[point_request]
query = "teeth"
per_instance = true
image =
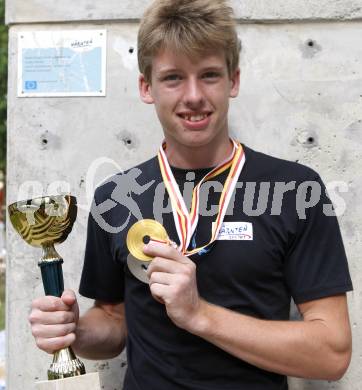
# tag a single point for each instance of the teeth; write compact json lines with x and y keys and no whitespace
{"x":195,"y":118}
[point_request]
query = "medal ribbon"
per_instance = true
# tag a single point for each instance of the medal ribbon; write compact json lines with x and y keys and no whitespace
{"x":185,"y":221}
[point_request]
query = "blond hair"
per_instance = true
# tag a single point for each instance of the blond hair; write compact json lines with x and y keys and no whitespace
{"x":192,"y":27}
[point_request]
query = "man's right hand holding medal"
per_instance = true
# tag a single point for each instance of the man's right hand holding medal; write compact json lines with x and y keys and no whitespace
{"x":173,"y":282}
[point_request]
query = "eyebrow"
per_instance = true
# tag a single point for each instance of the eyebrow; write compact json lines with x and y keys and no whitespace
{"x":213,"y":67}
{"x":165,"y":71}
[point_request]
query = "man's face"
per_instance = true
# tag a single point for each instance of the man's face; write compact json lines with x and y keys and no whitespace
{"x":191,"y":97}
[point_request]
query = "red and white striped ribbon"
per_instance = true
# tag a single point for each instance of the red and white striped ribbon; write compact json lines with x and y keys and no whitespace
{"x":185,"y":221}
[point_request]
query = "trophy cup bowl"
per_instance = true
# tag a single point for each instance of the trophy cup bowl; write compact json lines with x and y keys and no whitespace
{"x":43,"y":222}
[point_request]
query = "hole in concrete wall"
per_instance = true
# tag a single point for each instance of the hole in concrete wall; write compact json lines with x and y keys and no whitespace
{"x":131,"y":50}
{"x":44,"y":140}
{"x":47,"y":139}
{"x":307,"y":138}
{"x":311,"y":140}
{"x":128,"y":139}
{"x":310,"y":48}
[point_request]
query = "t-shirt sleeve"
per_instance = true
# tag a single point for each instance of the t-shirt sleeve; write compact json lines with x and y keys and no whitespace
{"x":102,"y":276}
{"x":316,"y":265}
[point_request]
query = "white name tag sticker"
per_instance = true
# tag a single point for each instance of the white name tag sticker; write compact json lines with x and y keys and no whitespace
{"x":240,"y":231}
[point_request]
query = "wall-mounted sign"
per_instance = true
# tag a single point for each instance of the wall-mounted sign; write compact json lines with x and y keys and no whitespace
{"x":62,"y":63}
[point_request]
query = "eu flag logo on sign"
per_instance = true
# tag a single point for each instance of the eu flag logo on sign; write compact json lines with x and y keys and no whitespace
{"x":30,"y":85}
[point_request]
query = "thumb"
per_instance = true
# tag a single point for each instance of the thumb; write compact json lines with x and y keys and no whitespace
{"x":68,"y":297}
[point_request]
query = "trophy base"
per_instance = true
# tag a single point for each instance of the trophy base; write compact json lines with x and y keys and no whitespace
{"x":81,"y":382}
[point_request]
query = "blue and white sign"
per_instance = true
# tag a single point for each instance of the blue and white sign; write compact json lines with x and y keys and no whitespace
{"x":62,"y":63}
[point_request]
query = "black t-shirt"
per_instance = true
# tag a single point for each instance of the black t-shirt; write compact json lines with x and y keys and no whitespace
{"x":262,"y":259}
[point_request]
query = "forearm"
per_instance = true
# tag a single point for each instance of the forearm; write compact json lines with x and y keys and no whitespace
{"x":100,"y":335}
{"x":295,"y":348}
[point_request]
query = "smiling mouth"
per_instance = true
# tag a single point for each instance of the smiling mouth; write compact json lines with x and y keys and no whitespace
{"x":194,"y":117}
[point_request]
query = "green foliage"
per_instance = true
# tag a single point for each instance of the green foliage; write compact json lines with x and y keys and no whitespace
{"x":3,"y":84}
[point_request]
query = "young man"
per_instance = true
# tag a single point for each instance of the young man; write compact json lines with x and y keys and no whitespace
{"x":215,"y":314}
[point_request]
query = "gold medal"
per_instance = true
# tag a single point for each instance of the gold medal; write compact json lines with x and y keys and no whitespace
{"x":142,"y":232}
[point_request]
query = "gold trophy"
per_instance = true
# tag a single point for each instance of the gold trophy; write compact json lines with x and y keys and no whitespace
{"x":43,"y":222}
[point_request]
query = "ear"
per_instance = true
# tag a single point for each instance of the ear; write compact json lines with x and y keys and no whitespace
{"x":145,"y":90}
{"x":235,"y":83}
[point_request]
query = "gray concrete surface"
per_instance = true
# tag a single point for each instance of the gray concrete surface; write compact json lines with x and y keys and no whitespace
{"x":2,"y":346}
{"x":35,"y":11}
{"x":291,"y":91}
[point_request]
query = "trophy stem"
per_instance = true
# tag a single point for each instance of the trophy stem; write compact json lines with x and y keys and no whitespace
{"x":65,"y":364}
{"x":51,"y":271}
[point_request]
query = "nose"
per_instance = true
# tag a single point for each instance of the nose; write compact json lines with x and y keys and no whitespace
{"x":193,"y":94}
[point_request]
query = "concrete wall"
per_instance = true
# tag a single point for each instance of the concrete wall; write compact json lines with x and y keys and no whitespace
{"x":35,"y":11}
{"x":297,"y":101}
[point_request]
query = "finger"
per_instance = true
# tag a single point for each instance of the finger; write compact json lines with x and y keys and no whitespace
{"x":56,"y":343}
{"x":50,"y":331}
{"x":51,"y":318}
{"x":155,"y":249}
{"x":159,"y":264}
{"x":161,"y":278}
{"x":50,"y":304}
{"x":159,"y":292}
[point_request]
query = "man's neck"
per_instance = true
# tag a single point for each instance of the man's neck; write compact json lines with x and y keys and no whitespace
{"x":206,"y":156}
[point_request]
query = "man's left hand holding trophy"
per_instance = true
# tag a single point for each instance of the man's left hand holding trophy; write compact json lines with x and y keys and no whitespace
{"x":43,"y":222}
